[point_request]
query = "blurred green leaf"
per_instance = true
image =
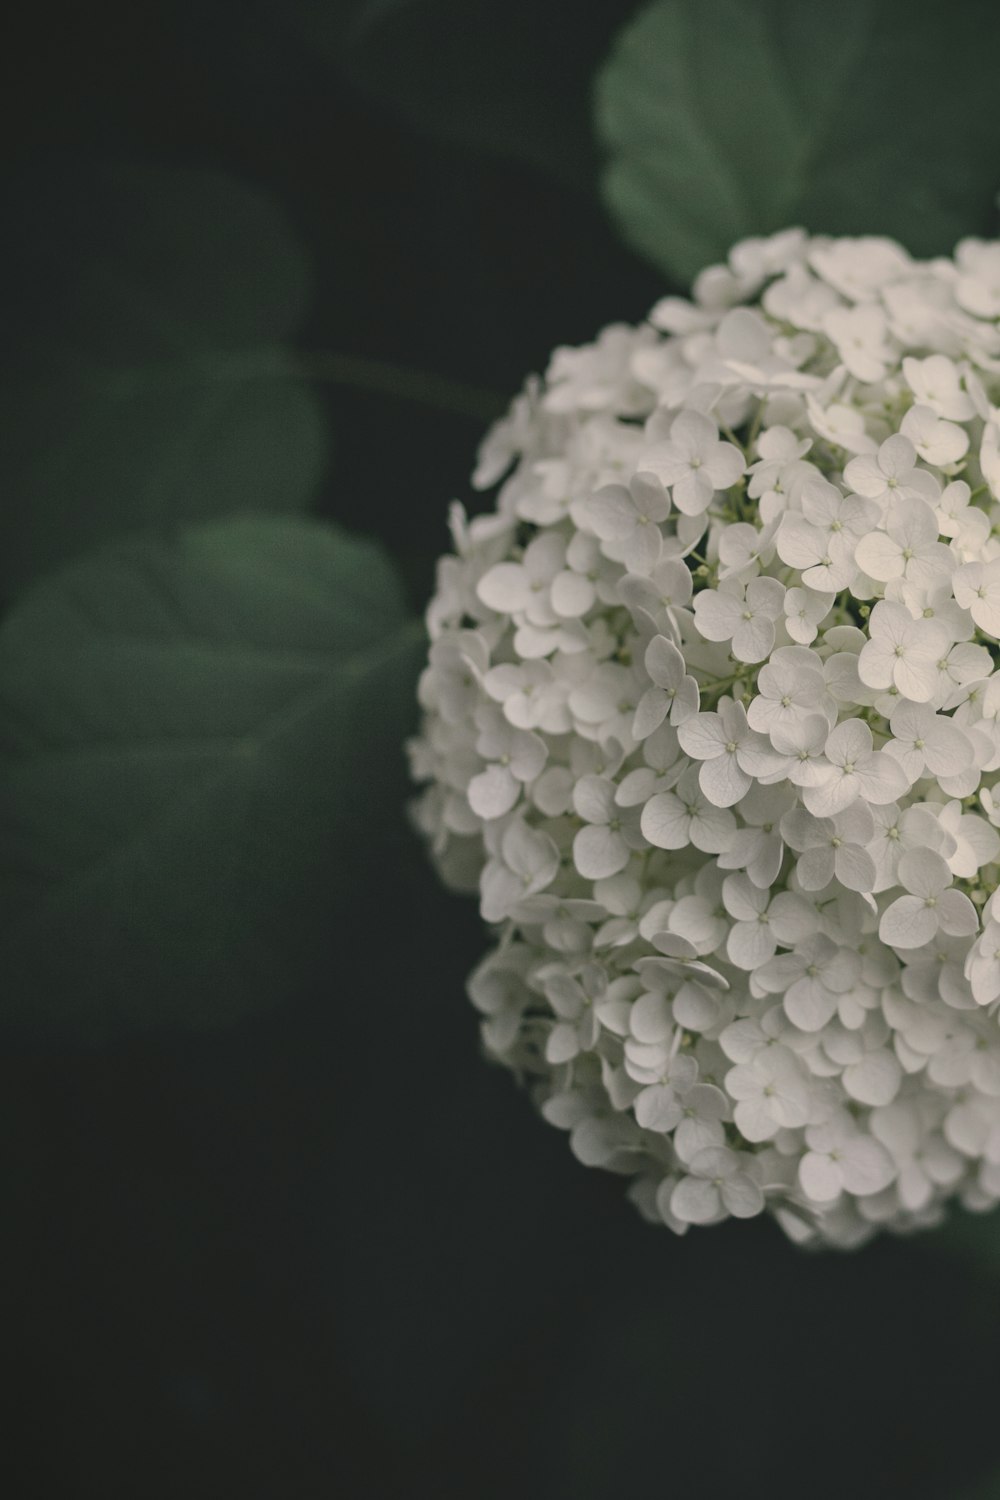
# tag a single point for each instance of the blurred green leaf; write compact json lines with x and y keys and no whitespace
{"x":199,"y":757}
{"x":726,"y":118}
{"x":988,"y":1488}
{"x":147,"y":380}
{"x":493,"y":77}
{"x":972,"y":1238}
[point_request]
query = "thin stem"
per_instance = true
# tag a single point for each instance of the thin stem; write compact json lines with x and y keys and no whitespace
{"x":755,"y":427}
{"x":718,"y":684}
{"x":329,"y":366}
{"x":386,"y":379}
{"x":728,"y":432}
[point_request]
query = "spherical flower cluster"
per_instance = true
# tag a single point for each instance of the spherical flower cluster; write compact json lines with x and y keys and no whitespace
{"x":711,"y":722}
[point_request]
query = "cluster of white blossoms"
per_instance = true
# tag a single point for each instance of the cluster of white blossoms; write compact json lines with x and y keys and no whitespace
{"x":711,"y":721}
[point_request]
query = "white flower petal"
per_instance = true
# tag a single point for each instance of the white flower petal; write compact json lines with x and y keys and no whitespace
{"x":820,"y":1178}
{"x":599,"y":851}
{"x":908,"y":923}
{"x":493,"y":792}
{"x":722,"y":780}
{"x":695,"y":1201}
{"x":875,"y":1079}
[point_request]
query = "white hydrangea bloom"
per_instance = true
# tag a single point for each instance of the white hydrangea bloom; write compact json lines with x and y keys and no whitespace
{"x":711,"y":722}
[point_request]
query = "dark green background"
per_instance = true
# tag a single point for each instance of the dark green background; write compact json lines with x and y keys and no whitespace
{"x":327,"y":1250}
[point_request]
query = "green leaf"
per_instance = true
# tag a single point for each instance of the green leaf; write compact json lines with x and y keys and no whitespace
{"x":507,"y":78}
{"x":987,"y":1489}
{"x":727,"y":118}
{"x":971,"y":1238}
{"x":147,"y":380}
{"x":200,"y":756}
